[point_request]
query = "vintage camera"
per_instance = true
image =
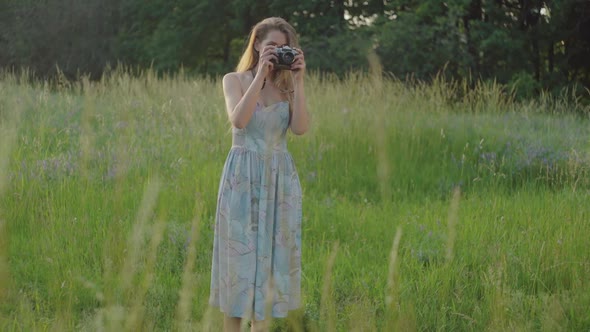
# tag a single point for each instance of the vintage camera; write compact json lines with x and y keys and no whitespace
{"x":286,"y":57}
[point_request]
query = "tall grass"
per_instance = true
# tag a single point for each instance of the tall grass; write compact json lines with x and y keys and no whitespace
{"x":108,"y":192}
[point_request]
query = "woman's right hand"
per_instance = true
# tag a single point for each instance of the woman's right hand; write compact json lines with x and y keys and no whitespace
{"x":265,"y":65}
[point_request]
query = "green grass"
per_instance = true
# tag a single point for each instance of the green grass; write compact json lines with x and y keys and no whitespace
{"x":108,"y":191}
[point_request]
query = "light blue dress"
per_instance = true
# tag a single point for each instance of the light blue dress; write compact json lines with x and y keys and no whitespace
{"x":256,"y":266}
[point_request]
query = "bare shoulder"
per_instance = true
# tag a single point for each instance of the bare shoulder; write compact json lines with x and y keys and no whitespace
{"x":232,"y":75}
{"x":235,"y":80}
{"x":231,"y":78}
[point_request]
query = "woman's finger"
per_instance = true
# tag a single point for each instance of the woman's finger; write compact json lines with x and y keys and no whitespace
{"x":269,"y":64}
{"x":268,"y":49}
{"x":299,"y":58}
{"x":270,"y":55}
{"x":297,"y":65}
{"x":300,"y":51}
{"x":266,"y":57}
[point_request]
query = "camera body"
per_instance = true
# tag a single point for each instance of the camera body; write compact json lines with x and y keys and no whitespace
{"x":285,"y":57}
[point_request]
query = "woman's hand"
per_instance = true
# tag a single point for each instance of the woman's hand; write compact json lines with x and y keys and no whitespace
{"x":298,"y":66}
{"x":265,"y":64}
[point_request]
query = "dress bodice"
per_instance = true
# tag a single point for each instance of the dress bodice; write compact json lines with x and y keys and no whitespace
{"x":266,"y":131}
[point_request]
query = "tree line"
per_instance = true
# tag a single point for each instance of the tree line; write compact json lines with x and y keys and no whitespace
{"x":531,"y":45}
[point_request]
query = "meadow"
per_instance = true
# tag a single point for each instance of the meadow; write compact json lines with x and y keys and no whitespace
{"x":427,"y":207}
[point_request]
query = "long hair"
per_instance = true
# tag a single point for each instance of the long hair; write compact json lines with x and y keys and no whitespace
{"x":283,"y":79}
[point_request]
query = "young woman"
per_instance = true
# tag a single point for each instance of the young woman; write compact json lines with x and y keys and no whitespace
{"x":256,"y":268}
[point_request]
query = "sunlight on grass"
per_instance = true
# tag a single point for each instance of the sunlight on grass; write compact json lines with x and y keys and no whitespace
{"x":108,"y":193}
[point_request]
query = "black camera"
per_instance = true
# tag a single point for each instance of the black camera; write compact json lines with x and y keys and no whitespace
{"x":286,"y":57}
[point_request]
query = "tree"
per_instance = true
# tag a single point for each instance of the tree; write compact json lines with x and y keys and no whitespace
{"x":505,"y":40}
{"x":71,"y":35}
{"x":170,"y":34}
{"x":536,"y":44}
{"x":421,"y":38}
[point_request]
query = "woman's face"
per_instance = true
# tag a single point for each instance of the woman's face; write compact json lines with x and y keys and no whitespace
{"x":273,"y":38}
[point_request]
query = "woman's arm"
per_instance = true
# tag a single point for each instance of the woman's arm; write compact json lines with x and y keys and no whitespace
{"x":240,"y":107}
{"x":300,"y":118}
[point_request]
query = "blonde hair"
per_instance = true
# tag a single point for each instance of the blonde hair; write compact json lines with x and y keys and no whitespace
{"x":283,"y":79}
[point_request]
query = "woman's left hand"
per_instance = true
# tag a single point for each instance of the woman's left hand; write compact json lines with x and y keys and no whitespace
{"x":298,"y":66}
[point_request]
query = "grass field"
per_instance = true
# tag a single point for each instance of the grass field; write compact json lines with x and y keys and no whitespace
{"x":426,"y":207}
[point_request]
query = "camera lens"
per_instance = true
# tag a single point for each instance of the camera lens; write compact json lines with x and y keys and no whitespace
{"x":288,"y":57}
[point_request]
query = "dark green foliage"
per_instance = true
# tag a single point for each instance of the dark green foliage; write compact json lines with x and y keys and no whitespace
{"x":339,"y":54}
{"x":420,"y":45}
{"x":74,"y":35}
{"x":532,"y":46}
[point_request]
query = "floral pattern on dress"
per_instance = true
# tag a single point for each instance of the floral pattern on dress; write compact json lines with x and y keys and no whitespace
{"x":257,"y":239}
